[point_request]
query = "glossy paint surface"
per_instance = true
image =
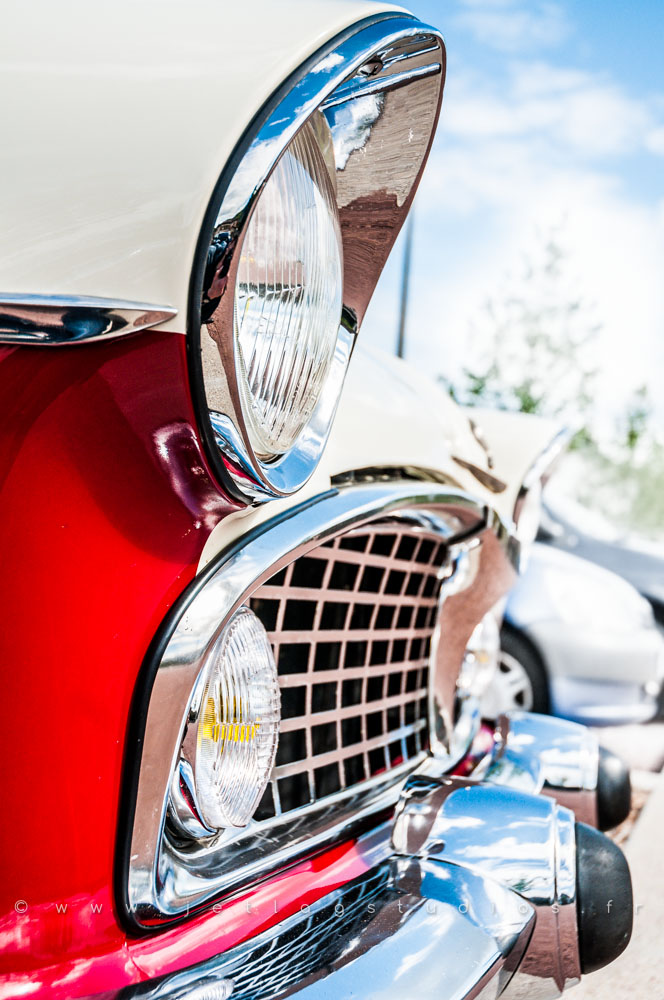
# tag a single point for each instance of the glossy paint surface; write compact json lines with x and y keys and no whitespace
{"x":105,"y":507}
{"x":105,"y":504}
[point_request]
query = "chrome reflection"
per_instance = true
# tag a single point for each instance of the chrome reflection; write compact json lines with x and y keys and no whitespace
{"x":526,"y":842}
{"x":539,"y":753}
{"x":53,"y":320}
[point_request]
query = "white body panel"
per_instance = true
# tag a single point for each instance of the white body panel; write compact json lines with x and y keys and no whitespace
{"x":515,"y":440}
{"x":117,"y":121}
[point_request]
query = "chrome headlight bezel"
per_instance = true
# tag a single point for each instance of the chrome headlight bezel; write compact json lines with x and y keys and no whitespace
{"x":371,"y":61}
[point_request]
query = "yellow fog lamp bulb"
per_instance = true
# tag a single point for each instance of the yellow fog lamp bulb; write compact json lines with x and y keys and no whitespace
{"x":238,"y":724}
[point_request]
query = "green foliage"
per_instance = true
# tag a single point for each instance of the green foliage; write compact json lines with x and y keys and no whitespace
{"x":625,"y":487}
{"x":637,"y":418}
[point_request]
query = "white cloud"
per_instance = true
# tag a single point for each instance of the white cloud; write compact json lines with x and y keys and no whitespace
{"x":579,"y":112}
{"x":543,"y":145}
{"x":513,"y":26}
{"x":490,"y":201}
{"x":655,"y":141}
{"x":599,"y":120}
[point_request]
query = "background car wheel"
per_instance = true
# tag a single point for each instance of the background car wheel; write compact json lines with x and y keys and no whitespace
{"x":520,"y":681}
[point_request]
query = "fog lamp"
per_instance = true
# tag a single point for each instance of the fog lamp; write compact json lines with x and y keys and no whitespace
{"x":237,"y":724}
{"x":481,"y":658}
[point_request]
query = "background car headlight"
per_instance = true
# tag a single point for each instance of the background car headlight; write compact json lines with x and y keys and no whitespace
{"x":288,"y":294}
{"x":231,"y":740}
{"x":292,"y":246}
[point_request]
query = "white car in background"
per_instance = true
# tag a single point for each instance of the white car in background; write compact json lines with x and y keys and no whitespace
{"x":577,"y":641}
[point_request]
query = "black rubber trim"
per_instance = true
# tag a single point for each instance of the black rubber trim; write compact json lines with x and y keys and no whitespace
{"x":207,"y":228}
{"x":605,"y":904}
{"x":614,"y":790}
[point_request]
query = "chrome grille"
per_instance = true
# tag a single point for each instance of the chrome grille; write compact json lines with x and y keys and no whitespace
{"x":273,"y":968}
{"x":351,"y":624}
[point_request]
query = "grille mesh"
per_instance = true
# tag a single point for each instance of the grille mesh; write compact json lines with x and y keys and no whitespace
{"x":350,"y":624}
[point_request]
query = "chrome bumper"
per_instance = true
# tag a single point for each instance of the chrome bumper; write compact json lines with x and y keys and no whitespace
{"x":477,"y":889}
{"x":540,"y":754}
{"x":408,"y":927}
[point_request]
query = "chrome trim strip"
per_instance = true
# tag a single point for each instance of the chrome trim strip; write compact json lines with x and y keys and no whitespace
{"x":371,"y":63}
{"x":541,"y":467}
{"x":57,"y":320}
{"x":363,"y":87}
{"x":149,"y":880}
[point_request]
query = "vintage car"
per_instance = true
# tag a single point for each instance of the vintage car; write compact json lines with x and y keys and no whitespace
{"x":242,"y":557}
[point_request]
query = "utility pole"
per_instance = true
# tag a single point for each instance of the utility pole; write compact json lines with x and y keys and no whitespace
{"x":405,"y":279}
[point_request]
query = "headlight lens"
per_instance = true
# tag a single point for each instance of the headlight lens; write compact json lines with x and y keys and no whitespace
{"x":238,"y":724}
{"x":288,"y":294}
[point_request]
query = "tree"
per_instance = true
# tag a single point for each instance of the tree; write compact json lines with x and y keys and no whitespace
{"x":534,"y":345}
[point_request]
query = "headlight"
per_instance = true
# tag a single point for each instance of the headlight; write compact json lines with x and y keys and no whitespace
{"x":292,"y":244}
{"x":288,"y":295}
{"x":294,"y":241}
{"x":230,"y":743}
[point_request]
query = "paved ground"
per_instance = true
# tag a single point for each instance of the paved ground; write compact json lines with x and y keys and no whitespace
{"x":642,"y":747}
{"x":639,"y":972}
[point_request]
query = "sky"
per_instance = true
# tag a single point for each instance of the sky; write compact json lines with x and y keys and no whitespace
{"x":552,"y":121}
